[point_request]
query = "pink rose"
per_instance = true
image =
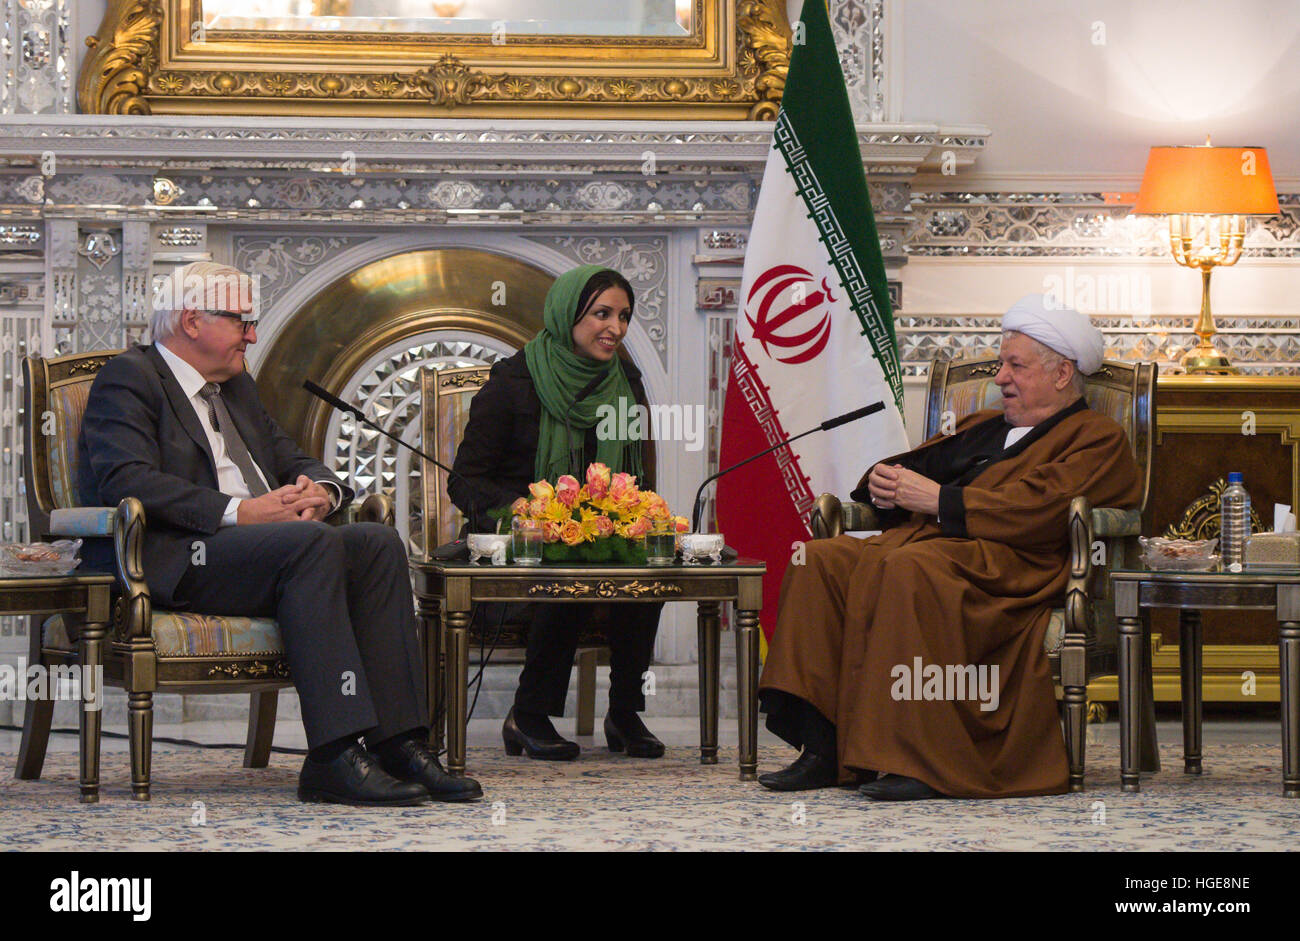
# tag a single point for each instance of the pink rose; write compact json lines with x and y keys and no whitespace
{"x":597,"y":480}
{"x":681,"y":524}
{"x":519,"y":507}
{"x":537,"y":508}
{"x":622,"y":487}
{"x":541,"y":490}
{"x":566,"y":490}
{"x":550,"y":531}
{"x":604,"y":526}
{"x":571,"y":533}
{"x":639,"y":527}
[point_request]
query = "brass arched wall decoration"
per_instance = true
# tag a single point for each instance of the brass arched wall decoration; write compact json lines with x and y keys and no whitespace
{"x":169,"y":57}
{"x":383,"y":303}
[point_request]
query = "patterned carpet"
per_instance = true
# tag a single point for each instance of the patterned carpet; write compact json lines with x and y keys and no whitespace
{"x":608,"y":802}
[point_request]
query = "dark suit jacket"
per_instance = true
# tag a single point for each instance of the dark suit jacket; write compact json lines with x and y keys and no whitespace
{"x":141,"y":438}
{"x":495,"y":461}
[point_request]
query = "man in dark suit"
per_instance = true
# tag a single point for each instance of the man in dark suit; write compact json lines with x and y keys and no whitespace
{"x":235,"y":515}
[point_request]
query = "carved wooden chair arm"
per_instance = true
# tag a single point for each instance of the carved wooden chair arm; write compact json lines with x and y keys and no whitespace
{"x":831,"y":517}
{"x":376,"y":508}
{"x":134,"y":610}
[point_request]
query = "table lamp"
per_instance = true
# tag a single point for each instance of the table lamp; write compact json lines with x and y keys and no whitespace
{"x":1206,"y":191}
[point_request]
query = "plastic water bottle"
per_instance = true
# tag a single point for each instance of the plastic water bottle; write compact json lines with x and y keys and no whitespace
{"x":1234,"y":522}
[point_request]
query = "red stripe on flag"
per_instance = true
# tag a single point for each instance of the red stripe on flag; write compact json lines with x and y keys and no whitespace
{"x":762,"y":507}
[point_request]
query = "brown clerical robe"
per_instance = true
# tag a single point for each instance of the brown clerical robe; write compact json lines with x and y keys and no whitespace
{"x":861,"y":621}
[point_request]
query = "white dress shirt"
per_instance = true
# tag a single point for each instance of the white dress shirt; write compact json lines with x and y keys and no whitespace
{"x":230,"y":480}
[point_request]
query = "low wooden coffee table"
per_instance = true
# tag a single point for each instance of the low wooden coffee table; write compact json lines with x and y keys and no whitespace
{"x":1189,"y":593}
{"x":446,"y":593}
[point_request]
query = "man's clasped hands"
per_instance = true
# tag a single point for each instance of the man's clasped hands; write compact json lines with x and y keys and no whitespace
{"x":304,"y":499}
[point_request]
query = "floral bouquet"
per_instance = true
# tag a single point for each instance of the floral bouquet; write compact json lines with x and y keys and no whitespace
{"x":603,"y":520}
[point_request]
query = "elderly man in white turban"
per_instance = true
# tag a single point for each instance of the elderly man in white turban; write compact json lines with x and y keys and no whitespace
{"x":913,"y":660}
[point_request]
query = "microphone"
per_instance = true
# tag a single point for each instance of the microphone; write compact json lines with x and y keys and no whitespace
{"x":330,"y":399}
{"x":824,"y":426}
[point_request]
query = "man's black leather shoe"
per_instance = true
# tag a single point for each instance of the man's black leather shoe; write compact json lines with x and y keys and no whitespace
{"x":356,"y":778}
{"x":412,"y":760}
{"x":807,"y":773}
{"x":897,"y":787}
{"x":630,"y":733}
{"x":545,"y":749}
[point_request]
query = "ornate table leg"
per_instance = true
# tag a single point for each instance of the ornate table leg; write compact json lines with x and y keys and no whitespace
{"x":1189,"y":668}
{"x":1288,"y":610}
{"x":748,"y":604}
{"x":429,"y":611}
{"x":709,"y":628}
{"x":92,"y":693}
{"x":457,"y":637}
{"x":1130,"y":693}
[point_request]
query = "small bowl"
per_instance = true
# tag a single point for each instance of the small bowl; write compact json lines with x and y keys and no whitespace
{"x":490,"y":546}
{"x":696,"y":547}
{"x":40,"y":558}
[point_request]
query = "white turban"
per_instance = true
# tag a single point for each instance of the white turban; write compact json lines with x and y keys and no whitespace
{"x":1059,"y":328}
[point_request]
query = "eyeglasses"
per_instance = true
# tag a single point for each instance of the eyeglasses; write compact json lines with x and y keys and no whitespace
{"x":245,"y":324}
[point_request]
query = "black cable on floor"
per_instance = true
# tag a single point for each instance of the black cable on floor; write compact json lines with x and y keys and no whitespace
{"x":185,"y":742}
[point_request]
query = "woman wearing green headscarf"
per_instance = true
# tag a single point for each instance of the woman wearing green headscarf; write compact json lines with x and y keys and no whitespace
{"x":535,"y":419}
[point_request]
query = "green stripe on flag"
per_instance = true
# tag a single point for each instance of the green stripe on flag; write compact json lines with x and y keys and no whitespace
{"x":816,"y":135}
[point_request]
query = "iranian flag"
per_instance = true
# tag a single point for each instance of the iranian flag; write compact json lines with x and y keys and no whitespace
{"x":814,"y":333}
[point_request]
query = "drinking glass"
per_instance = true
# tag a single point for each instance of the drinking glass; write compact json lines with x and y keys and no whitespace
{"x":526,"y":541}
{"x":661,"y":543}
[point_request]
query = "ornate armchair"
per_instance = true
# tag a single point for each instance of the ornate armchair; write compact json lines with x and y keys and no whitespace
{"x":1082,"y":636}
{"x":446,"y":394}
{"x":150,"y":650}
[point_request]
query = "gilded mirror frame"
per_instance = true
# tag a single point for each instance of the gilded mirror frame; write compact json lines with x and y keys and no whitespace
{"x":146,"y":59}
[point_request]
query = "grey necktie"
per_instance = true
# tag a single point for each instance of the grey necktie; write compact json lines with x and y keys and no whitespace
{"x":235,"y":446}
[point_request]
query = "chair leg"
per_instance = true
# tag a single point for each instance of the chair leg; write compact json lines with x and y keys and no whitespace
{"x":586,"y":719}
{"x":36,"y":718}
{"x":261,"y":728}
{"x":1074,"y":699}
{"x":36,"y":736}
{"x":140,"y":727}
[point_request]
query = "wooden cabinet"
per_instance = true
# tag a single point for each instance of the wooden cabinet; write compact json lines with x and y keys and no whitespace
{"x":1207,"y":426}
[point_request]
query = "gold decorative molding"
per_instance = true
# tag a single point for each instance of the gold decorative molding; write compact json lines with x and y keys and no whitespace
{"x":257,"y":670}
{"x":604,"y":589}
{"x":147,"y":60}
{"x":124,"y":54}
{"x":461,"y":380}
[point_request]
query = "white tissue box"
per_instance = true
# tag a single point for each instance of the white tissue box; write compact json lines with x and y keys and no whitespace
{"x":1272,"y":551}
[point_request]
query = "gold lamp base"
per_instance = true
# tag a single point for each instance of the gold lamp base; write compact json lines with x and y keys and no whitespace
{"x":1206,"y":360}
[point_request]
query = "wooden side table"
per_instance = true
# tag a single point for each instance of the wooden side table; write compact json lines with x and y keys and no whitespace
{"x":88,"y":597}
{"x":446,"y":593}
{"x":1189,"y":593}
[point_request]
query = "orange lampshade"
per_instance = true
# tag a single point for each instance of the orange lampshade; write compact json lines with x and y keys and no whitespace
{"x":1215,"y":180}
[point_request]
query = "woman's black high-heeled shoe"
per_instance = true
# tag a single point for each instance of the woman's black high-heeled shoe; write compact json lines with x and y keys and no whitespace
{"x":543,"y":747}
{"x":629,"y":733}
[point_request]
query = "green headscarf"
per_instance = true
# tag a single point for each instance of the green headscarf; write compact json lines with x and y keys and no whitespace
{"x":559,"y":374}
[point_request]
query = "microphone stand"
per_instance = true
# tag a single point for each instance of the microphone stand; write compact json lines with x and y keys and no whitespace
{"x":824,"y":426}
{"x":330,"y":399}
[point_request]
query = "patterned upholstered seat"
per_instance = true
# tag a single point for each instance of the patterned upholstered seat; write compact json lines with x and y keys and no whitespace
{"x":181,"y":634}
{"x":1126,"y":393}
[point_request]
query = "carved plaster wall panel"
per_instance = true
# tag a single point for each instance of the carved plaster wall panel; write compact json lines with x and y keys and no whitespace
{"x":1065,"y":224}
{"x":280,"y":260}
{"x":1256,"y":345}
{"x":100,"y":321}
{"x":35,"y":57}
